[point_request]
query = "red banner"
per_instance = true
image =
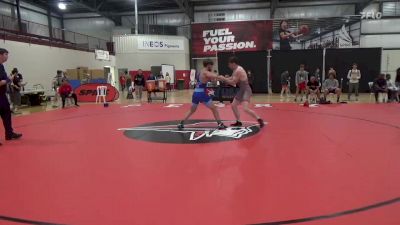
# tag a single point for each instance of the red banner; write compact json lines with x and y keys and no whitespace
{"x":210,"y":38}
{"x":88,"y":92}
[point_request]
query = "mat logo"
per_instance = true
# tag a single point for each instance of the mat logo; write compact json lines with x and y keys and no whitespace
{"x":196,"y":131}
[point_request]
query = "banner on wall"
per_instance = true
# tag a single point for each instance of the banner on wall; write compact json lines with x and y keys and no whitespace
{"x":210,"y":38}
{"x":160,"y":43}
{"x":102,"y":55}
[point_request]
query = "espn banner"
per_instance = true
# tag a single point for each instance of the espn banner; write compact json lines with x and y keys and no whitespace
{"x":210,"y":38}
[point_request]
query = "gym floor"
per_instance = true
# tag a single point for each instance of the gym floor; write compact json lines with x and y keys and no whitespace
{"x":128,"y":164}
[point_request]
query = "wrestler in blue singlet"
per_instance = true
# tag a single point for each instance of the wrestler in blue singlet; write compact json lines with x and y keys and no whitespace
{"x":201,"y":94}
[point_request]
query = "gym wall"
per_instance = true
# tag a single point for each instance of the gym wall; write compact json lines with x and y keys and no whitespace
{"x":129,"y":56}
{"x":39,"y":64}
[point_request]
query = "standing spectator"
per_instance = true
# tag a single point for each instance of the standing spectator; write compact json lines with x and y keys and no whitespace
{"x":354,"y":77}
{"x":317,"y":74}
{"x":393,"y":90}
{"x":15,"y":90}
{"x":5,"y":111}
{"x":160,"y":76}
{"x":122,"y":80}
{"x":380,"y":86}
{"x":285,"y":83}
{"x":168,"y":80}
{"x":331,"y":85}
{"x":301,"y":82}
{"x":66,"y":92}
{"x":139,"y":82}
{"x":152,"y":77}
{"x":57,"y":82}
{"x":397,"y":81}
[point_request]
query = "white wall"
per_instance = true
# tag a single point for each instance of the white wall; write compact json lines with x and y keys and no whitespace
{"x":315,"y":11}
{"x":39,"y":63}
{"x":129,"y":56}
{"x":383,"y":33}
{"x":390,"y":62}
{"x":96,"y":27}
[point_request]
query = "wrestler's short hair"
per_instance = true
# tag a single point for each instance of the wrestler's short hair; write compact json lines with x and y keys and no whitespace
{"x":208,"y":62}
{"x":233,"y":59}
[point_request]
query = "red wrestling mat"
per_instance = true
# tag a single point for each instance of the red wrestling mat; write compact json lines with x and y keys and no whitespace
{"x":330,"y":165}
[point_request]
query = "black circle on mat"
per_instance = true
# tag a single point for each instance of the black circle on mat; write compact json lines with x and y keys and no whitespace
{"x":195,"y":131}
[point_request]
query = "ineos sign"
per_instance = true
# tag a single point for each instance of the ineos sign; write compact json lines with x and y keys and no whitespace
{"x":155,"y":43}
{"x":371,"y":15}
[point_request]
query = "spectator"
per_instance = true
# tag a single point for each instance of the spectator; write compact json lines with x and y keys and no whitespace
{"x":313,"y":87}
{"x":285,"y":83}
{"x":139,"y":82}
{"x":152,"y":77}
{"x":393,"y":90}
{"x":168,"y":80}
{"x":397,"y":80}
{"x":122,"y":80}
{"x":57,"y":82}
{"x":331,"y":85}
{"x":15,"y":90}
{"x":66,"y":91}
{"x":379,"y":86}
{"x":317,"y":74}
{"x":332,"y":70}
{"x":160,"y":76}
{"x":354,"y":76}
{"x":128,"y":83}
{"x":301,"y":82}
{"x":5,"y":111}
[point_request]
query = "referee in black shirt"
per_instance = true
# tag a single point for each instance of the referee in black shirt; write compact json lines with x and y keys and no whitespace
{"x":5,"y":111}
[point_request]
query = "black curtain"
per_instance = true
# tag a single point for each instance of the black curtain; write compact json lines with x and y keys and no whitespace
{"x":255,"y":61}
{"x":368,"y":60}
{"x":290,"y":60}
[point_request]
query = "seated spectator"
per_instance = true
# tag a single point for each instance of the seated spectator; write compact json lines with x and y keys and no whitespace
{"x":393,"y":90}
{"x":313,"y":87}
{"x":380,"y":86}
{"x":331,"y":85}
{"x":66,"y":91}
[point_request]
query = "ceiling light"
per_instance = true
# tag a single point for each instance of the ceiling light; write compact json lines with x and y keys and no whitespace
{"x":62,"y":6}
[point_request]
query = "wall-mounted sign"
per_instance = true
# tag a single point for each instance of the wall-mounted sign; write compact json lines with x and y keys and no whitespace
{"x":210,"y":38}
{"x":160,"y":43}
{"x":371,"y":15}
{"x":102,"y":55}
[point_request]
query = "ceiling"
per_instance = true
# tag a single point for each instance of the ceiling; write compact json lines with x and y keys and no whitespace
{"x":118,"y":6}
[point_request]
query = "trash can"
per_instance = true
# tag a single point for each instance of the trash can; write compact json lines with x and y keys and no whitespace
{"x":180,"y":84}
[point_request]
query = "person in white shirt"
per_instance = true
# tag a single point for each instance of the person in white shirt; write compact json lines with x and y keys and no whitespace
{"x":354,"y":77}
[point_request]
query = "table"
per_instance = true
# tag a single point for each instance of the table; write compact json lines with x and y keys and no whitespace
{"x":33,"y":96}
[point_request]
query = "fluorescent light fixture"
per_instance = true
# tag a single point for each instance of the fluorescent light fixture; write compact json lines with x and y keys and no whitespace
{"x":62,"y":6}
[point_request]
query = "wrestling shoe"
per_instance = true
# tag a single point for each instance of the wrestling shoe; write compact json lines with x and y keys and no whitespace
{"x":13,"y":136}
{"x":237,"y":124}
{"x":180,"y":126}
{"x":261,"y":122}
{"x":221,"y":126}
